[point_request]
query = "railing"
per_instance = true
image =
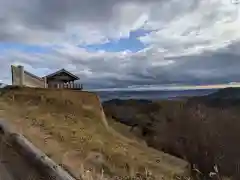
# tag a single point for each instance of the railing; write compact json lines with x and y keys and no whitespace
{"x":32,"y":161}
{"x":66,"y":86}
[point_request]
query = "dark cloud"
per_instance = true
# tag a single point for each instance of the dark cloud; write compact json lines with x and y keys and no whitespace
{"x":188,"y":32}
{"x":54,"y":15}
{"x":207,"y":68}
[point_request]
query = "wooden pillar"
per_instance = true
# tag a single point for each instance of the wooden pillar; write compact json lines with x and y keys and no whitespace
{"x":71,"y":84}
{"x":45,"y":82}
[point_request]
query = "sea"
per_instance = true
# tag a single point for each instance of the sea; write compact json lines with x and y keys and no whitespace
{"x":152,"y":94}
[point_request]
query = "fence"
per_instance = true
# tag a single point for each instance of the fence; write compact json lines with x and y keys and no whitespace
{"x":70,"y":85}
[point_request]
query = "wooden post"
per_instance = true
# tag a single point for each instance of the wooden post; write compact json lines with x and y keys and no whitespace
{"x":42,"y":98}
{"x":12,"y":72}
{"x":45,"y":82}
{"x":13,"y":97}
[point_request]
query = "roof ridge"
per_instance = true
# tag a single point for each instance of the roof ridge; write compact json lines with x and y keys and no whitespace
{"x":63,"y":70}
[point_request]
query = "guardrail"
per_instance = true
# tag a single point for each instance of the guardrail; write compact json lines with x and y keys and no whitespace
{"x":33,"y":155}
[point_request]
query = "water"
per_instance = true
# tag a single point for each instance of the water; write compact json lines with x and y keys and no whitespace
{"x":152,"y":94}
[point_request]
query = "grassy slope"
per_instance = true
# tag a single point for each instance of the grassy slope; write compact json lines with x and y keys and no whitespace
{"x":70,"y":127}
{"x":203,"y":130}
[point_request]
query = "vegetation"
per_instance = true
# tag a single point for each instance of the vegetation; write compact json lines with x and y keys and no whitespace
{"x":70,"y":127}
{"x":203,"y":130}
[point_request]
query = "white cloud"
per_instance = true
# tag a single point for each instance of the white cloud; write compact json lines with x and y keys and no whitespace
{"x":210,"y":25}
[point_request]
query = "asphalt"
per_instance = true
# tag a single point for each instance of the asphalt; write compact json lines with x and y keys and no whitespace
{"x":14,"y":167}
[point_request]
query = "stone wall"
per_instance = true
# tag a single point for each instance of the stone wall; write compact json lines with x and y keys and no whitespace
{"x":17,"y":75}
{"x":31,"y":80}
{"x":20,"y":77}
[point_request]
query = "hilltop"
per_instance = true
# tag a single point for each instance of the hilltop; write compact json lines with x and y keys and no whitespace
{"x":223,"y":98}
{"x":226,"y":93}
{"x":71,"y":128}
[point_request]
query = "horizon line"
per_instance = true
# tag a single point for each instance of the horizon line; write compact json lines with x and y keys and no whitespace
{"x":171,"y":87}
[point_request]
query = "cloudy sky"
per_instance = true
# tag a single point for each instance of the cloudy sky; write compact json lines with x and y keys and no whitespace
{"x":121,"y":43}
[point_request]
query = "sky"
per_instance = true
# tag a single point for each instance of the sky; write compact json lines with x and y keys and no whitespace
{"x":123,"y":44}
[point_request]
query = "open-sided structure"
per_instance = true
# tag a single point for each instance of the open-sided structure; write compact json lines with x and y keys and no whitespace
{"x":58,"y":79}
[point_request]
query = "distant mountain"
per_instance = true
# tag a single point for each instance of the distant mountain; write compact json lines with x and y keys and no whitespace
{"x":226,"y":93}
{"x":224,"y":98}
{"x":2,"y":85}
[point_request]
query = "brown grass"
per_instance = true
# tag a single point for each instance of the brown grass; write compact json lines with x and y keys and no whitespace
{"x":69,"y":126}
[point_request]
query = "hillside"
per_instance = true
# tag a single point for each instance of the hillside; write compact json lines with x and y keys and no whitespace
{"x":202,"y":130}
{"x":226,"y":93}
{"x":70,"y":127}
{"x":223,"y":98}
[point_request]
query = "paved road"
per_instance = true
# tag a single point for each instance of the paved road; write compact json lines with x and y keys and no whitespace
{"x":14,"y":167}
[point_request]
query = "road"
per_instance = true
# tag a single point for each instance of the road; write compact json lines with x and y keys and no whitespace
{"x":15,"y":167}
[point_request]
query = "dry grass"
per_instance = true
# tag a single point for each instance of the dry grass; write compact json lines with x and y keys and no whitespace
{"x":69,"y":126}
